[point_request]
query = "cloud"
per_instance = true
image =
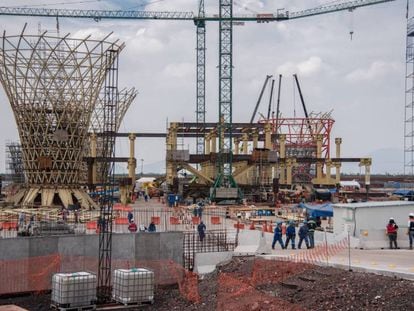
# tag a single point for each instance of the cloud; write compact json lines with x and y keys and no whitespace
{"x":179,"y":70}
{"x":95,"y":33}
{"x":144,"y":43}
{"x":306,"y":68}
{"x":376,"y":70}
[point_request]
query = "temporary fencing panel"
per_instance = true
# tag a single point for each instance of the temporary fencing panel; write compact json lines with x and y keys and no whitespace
{"x":35,"y":274}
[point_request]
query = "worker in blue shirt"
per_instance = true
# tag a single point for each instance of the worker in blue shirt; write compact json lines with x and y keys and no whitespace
{"x":290,"y":234}
{"x":303,"y":234}
{"x":277,"y":236}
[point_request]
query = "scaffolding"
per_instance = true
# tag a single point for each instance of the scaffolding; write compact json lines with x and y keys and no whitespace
{"x":14,"y":162}
{"x":409,"y":102}
{"x":125,"y":98}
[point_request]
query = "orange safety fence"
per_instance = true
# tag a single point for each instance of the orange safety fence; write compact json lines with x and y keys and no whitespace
{"x":34,"y":274}
{"x":28,"y":274}
{"x":321,"y":252}
{"x":195,"y":220}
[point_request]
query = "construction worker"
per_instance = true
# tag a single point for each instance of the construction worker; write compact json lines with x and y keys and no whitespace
{"x":311,"y":233}
{"x":130,"y":216}
{"x":410,"y":230}
{"x":303,"y":234}
{"x":277,"y":236}
{"x":152,"y":227}
{"x":201,"y":228}
{"x":290,"y":234}
{"x":132,"y":227}
{"x":392,"y":229}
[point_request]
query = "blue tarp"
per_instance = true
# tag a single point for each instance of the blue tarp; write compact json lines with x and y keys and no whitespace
{"x":321,"y":210}
{"x":403,"y":192}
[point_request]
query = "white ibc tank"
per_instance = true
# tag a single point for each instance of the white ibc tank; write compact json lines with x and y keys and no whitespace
{"x":74,"y":289}
{"x":133,"y":285}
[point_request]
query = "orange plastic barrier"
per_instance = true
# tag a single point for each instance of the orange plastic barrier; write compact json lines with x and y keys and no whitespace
{"x":155,"y":220}
{"x":9,"y":225}
{"x":127,"y":208}
{"x":174,"y":220}
{"x":215,"y":220}
{"x":121,"y":221}
{"x":196,"y":220}
{"x":118,"y":207}
{"x":92,"y":225}
{"x":239,"y":226}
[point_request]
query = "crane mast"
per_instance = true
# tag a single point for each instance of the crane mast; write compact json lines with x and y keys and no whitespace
{"x":201,"y":76}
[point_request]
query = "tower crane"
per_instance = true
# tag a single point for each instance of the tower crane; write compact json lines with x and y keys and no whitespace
{"x":225,"y":19}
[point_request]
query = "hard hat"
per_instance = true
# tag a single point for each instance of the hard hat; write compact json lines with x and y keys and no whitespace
{"x":391,"y":218}
{"x":411,"y":214}
{"x":305,"y":222}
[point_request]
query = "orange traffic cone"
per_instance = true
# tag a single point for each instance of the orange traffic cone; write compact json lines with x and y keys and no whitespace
{"x":269,"y":228}
{"x":265,"y":227}
{"x":252,"y":226}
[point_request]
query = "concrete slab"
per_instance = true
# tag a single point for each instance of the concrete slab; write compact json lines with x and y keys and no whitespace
{"x":172,"y":246}
{"x":43,"y":246}
{"x":14,"y":249}
{"x":147,"y":246}
{"x":252,"y":242}
{"x":205,"y":263}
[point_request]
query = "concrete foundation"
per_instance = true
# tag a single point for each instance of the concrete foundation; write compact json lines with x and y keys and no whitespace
{"x":140,"y":246}
{"x":81,"y":252}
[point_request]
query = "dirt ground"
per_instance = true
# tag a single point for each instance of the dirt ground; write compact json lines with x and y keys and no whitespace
{"x":256,"y":284}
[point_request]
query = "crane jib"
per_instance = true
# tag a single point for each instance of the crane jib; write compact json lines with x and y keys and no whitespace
{"x":97,"y":15}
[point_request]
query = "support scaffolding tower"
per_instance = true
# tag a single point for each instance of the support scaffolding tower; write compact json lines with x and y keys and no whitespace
{"x":108,"y":176}
{"x":14,"y":163}
{"x":409,"y":102}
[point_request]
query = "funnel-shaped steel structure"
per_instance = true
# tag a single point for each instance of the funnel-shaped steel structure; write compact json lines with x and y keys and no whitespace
{"x":53,"y":84}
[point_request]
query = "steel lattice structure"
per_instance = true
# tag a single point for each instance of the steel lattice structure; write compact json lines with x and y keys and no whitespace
{"x":301,"y":136}
{"x":125,"y":99}
{"x":201,"y":75}
{"x":52,"y":84}
{"x":409,"y":102}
